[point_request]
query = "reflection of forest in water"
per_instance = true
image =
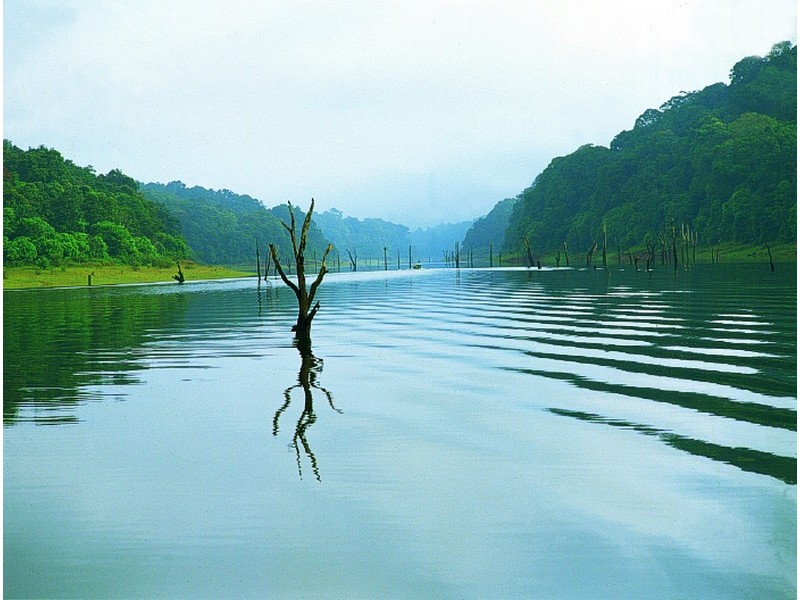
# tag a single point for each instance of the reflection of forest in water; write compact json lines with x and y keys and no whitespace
{"x":57,"y":342}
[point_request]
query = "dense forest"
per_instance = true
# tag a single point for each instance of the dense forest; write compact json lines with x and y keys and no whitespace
{"x":56,"y":212}
{"x":366,"y":239}
{"x":362,"y":241}
{"x":487,"y":234}
{"x":719,"y":163}
{"x":436,"y":243}
{"x":222,"y":227}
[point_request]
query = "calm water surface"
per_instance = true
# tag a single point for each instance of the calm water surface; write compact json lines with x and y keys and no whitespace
{"x":456,"y":434}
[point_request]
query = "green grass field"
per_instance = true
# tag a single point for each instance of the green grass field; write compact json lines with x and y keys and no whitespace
{"x":731,"y":253}
{"x":32,"y":277}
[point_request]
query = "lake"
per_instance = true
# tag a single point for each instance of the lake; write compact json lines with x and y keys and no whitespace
{"x":456,"y":434}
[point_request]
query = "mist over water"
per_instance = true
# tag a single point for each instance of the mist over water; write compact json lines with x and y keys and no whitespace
{"x":454,"y":433}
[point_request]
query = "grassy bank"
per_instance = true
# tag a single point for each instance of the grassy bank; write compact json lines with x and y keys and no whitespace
{"x":732,"y":253}
{"x":31,"y":277}
{"x":726,"y":253}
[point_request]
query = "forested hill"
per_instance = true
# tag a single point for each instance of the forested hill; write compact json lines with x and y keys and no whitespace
{"x":367,"y":238}
{"x":223,"y":227}
{"x":488,"y":233}
{"x":364,"y":239}
{"x":721,"y":160}
{"x":55,"y":211}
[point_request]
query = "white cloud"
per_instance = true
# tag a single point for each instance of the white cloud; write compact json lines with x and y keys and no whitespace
{"x":417,"y":111}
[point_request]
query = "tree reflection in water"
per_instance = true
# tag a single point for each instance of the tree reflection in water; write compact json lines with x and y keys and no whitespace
{"x":310,"y":368}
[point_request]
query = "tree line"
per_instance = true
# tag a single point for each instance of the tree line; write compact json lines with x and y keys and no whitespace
{"x":55,"y":212}
{"x":222,"y":227}
{"x":720,"y":162}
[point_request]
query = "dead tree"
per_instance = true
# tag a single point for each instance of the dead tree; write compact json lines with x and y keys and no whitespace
{"x":179,"y":277}
{"x":590,"y":254}
{"x":651,"y":252}
{"x":306,"y":309}
{"x":267,"y":261}
{"x":527,"y":245}
{"x":353,"y":258}
{"x":258,"y":263}
{"x":771,"y":264}
{"x":674,"y":249}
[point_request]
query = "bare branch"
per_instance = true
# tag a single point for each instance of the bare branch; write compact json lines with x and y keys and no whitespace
{"x":306,"y":225}
{"x":322,"y":271}
{"x":274,"y":251}
{"x":312,"y":313}
{"x":291,"y":228}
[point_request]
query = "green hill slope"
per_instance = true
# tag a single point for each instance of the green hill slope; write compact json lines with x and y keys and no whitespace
{"x":720,"y":162}
{"x":55,"y":212}
{"x":222,"y":227}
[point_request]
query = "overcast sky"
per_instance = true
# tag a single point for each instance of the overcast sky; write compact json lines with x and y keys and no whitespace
{"x":416,"y":111}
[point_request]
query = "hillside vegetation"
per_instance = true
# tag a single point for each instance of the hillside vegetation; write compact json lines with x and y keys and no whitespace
{"x":55,"y":212}
{"x":718,"y":165}
{"x":720,"y":162}
{"x":223,"y":228}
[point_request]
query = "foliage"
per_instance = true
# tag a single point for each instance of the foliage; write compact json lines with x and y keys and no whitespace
{"x":55,"y":212}
{"x":431,"y":243}
{"x":722,"y":160}
{"x":488,"y":232}
{"x":222,"y":227}
{"x":367,"y":238}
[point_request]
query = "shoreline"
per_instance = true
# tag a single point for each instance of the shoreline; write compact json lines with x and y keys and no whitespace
{"x":73,"y":276}
{"x":28,"y":277}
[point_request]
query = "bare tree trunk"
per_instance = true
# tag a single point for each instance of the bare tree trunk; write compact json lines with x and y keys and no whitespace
{"x":771,"y":264}
{"x":674,"y":249}
{"x":353,"y":257}
{"x":605,"y":243}
{"x":258,"y":264}
{"x":528,"y":250}
{"x":306,"y":309}
{"x":179,"y":277}
{"x":590,"y":255}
